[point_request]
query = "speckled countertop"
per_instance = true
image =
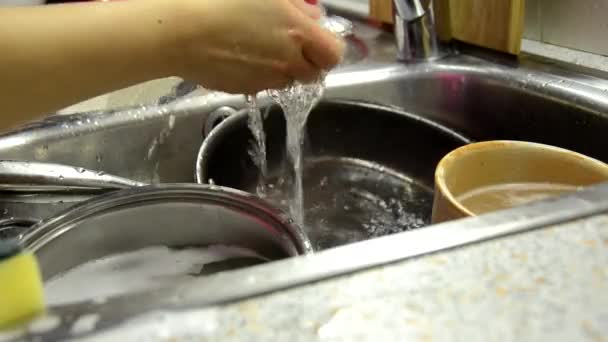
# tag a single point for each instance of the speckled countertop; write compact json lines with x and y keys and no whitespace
{"x":546,"y":285}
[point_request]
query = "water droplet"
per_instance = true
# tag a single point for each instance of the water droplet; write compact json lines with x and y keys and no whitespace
{"x":171,"y":121}
{"x":323,"y":182}
{"x":99,"y":158}
{"x":80,"y":170}
{"x":101,"y":173}
{"x":60,"y":177}
{"x":45,"y":147}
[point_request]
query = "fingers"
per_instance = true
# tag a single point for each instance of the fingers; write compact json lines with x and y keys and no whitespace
{"x":246,"y":86}
{"x":266,"y":80}
{"x":305,"y":72}
{"x":311,"y":11}
{"x":322,"y":48}
{"x":319,"y":47}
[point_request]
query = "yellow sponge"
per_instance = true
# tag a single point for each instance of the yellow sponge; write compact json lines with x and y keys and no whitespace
{"x":21,"y":289}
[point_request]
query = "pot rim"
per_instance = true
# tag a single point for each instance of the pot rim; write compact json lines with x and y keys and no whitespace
{"x":214,"y":137}
{"x":452,"y":156}
{"x":200,"y":172}
{"x":46,"y":230}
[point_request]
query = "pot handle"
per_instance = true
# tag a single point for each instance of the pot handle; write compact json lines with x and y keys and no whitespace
{"x":16,"y":175}
{"x":15,"y":228}
{"x":216,"y":117}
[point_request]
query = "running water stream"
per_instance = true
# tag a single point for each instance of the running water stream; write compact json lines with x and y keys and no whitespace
{"x":296,"y":101}
{"x":258,"y":148}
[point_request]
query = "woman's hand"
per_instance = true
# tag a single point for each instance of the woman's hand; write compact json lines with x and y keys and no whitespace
{"x":244,"y":46}
{"x":57,"y":55}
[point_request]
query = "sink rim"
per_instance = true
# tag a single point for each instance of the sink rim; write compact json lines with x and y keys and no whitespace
{"x":554,"y":79}
{"x":230,"y":123}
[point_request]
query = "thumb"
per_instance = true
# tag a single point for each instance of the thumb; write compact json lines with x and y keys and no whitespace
{"x":323,"y":49}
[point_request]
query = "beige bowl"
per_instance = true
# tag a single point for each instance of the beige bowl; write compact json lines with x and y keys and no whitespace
{"x":514,"y":167}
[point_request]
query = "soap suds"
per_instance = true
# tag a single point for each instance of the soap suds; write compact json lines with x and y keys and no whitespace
{"x":145,"y":269}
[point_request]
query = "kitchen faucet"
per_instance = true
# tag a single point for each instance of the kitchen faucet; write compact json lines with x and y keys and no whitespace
{"x":415,"y":31}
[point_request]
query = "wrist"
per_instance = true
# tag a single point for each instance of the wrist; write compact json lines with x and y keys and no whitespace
{"x":165,"y":20}
{"x":158,"y":35}
{"x":180,"y":25}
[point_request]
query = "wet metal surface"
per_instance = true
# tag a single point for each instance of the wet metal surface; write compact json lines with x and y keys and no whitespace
{"x":368,"y":169}
{"x":350,"y":200}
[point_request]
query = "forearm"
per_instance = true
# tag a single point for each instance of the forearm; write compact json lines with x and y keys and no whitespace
{"x":54,"y":56}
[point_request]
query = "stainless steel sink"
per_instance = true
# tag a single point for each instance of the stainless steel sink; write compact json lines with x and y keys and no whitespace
{"x":484,"y":97}
{"x":532,"y":100}
{"x":479,"y":95}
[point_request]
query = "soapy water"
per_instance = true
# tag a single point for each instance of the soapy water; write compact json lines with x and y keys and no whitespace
{"x":350,"y":200}
{"x":145,"y":269}
{"x":490,"y":198}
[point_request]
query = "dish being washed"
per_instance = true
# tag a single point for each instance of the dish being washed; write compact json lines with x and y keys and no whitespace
{"x":368,"y":169}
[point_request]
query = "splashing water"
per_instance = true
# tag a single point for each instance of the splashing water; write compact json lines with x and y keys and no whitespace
{"x":350,"y":200}
{"x":297,"y":101}
{"x":258,"y":148}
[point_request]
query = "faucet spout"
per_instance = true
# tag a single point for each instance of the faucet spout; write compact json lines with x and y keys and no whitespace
{"x":415,"y":31}
{"x":410,"y":9}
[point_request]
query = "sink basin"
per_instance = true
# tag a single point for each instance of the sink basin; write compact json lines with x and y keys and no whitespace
{"x":367,"y":169}
{"x":478,"y":98}
{"x":486,"y":101}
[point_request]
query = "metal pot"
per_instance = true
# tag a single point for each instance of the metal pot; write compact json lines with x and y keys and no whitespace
{"x":368,"y":169}
{"x":173,"y":215}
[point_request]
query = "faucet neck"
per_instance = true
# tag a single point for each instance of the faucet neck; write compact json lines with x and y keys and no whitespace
{"x":415,"y":31}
